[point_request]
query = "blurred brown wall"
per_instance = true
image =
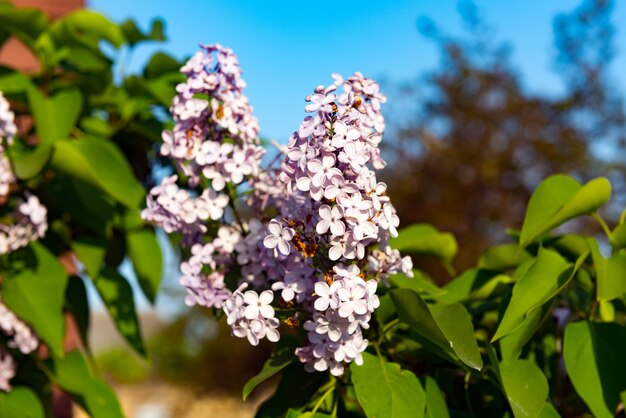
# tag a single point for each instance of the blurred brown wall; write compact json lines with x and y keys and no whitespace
{"x":13,"y":53}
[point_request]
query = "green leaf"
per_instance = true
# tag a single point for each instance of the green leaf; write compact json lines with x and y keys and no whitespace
{"x":144,"y":251}
{"x":134,"y":35}
{"x":435,"y":402}
{"x":55,"y":116}
{"x":571,"y":246}
{"x":446,"y":326}
{"x":77,"y":303}
{"x":15,"y":83}
{"x":426,"y":239}
{"x":90,"y":250}
{"x":595,"y":363}
{"x":618,"y":237}
{"x":526,"y":387}
{"x":27,"y":161}
{"x":86,"y":28}
{"x":474,"y":284}
{"x":558,"y":199}
{"x":385,"y":390}
{"x":294,"y":413}
{"x":606,"y":311}
{"x":456,"y":325}
{"x":35,"y":291}
{"x":511,"y":345}
{"x":547,"y":275}
{"x":118,"y":298}
{"x":420,"y":283}
{"x":73,"y":375}
{"x":549,"y":411}
{"x":611,"y":273}
{"x":99,"y":163}
{"x":160,"y":64}
{"x":95,"y":126}
{"x":503,"y":257}
{"x":281,"y":357}
{"x":295,"y":389}
{"x":20,"y":402}
{"x":26,"y":24}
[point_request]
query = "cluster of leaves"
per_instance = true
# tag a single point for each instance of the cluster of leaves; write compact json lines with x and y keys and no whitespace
{"x":536,"y":329}
{"x":85,"y":141}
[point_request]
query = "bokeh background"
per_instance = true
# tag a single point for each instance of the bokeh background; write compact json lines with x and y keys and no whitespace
{"x":485,"y":99}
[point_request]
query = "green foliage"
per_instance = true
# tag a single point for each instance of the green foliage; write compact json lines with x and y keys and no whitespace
{"x":487,"y":344}
{"x":117,"y":295}
{"x":35,"y":290}
{"x":427,"y":240}
{"x":87,"y":137}
{"x":281,"y":357}
{"x":383,"y":389}
{"x":73,"y":374}
{"x":21,"y":402}
{"x":557,"y":200}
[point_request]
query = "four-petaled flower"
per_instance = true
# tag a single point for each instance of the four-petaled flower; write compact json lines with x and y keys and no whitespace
{"x":278,"y":238}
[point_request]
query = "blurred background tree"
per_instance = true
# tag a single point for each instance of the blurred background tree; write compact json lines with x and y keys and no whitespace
{"x":470,"y":142}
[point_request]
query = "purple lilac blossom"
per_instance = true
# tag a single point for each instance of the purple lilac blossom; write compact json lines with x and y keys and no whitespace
{"x":314,"y":243}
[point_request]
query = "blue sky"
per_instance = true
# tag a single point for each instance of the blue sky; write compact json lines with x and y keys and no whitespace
{"x":286,"y":48}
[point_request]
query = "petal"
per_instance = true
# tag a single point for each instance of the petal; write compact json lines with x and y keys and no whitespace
{"x":303,"y":183}
{"x":335,"y":252}
{"x":358,"y":292}
{"x":346,"y":309}
{"x":343,"y":293}
{"x":337,"y":228}
{"x":268,"y":312}
{"x":325,"y":212}
{"x":334,"y":334}
{"x":360,"y":307}
{"x":322,"y":289}
{"x":283,"y":247}
{"x":321,"y":304}
{"x":274,"y":227}
{"x":252,"y":339}
{"x":266,"y":297}
{"x":251,"y":312}
{"x":315,"y":166}
{"x":271,"y":241}
{"x":272,"y":335}
{"x":250,"y":297}
{"x":322,"y":226}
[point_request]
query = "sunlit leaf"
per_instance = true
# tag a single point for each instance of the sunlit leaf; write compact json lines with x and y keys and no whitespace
{"x":385,"y":390}
{"x":595,"y":362}
{"x":558,"y":199}
{"x":447,"y":326}
{"x":35,"y":291}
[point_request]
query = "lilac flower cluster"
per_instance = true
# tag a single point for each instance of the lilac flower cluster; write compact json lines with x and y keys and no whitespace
{"x":344,"y":213}
{"x":214,"y":142}
{"x":8,"y":129}
{"x":314,"y":241}
{"x":19,"y":337}
{"x":27,"y":223}
{"x":28,"y":220}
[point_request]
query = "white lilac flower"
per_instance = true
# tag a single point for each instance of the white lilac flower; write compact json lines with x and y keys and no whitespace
{"x":278,"y":238}
{"x":331,"y":219}
{"x":258,"y":304}
{"x":7,"y":370}
{"x":19,"y":335}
